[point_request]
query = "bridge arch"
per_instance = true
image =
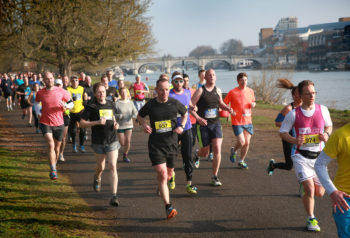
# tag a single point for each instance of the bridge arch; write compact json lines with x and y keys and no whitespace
{"x":150,"y":66}
{"x":188,"y":65}
{"x":249,"y":63}
{"x":218,"y":64}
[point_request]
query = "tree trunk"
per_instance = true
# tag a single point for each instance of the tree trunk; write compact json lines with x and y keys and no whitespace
{"x":65,"y":68}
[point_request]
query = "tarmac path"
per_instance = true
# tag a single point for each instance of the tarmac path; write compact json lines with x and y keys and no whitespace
{"x":249,"y":204}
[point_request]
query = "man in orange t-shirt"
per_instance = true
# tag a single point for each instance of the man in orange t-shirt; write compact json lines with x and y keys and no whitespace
{"x":242,"y":100}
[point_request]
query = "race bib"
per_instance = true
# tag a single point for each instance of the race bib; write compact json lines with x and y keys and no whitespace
{"x":106,"y":113}
{"x":163,"y":126}
{"x":211,"y":113}
{"x":138,"y":92}
{"x":311,"y":140}
{"x":247,"y":113}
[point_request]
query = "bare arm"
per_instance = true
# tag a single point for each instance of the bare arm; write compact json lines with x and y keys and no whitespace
{"x":194,"y":101}
{"x":147,"y":129}
{"x":284,"y":112}
{"x":222,"y":104}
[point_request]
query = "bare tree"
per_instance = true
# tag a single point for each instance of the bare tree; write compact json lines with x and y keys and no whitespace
{"x":231,"y":47}
{"x":204,"y":50}
{"x":76,"y":33}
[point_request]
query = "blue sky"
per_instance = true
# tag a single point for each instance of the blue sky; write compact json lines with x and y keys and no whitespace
{"x":181,"y":25}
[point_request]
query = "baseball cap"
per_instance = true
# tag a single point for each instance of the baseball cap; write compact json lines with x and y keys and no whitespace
{"x":58,"y":81}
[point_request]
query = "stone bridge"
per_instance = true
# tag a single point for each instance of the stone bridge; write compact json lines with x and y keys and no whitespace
{"x":166,"y":64}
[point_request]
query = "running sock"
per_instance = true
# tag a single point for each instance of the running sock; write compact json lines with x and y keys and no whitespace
{"x":168,"y":206}
{"x":114,"y":194}
{"x":53,"y":167}
{"x":311,"y":217}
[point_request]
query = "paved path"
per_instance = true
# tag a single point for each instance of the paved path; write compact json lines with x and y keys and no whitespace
{"x":249,"y":204}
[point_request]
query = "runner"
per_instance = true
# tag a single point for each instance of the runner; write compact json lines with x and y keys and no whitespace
{"x":121,"y":84}
{"x":288,"y":148}
{"x":126,"y":111}
{"x":163,"y":130}
{"x":31,"y":100}
{"x":24,"y":91}
{"x":76,"y":91}
{"x":111,"y":92}
{"x":66,"y":118}
{"x":185,"y":138}
{"x":111,"y":82}
{"x":192,"y":118}
{"x":100,"y":116}
{"x":6,"y":85}
{"x":313,"y":126}
{"x":337,"y":147}
{"x":201,"y":82}
{"x":139,"y":88}
{"x":51,"y":120}
{"x":242,"y":100}
{"x":208,"y":99}
{"x":88,"y":92}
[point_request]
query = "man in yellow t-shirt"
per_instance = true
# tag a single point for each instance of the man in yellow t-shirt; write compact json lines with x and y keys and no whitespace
{"x":76,"y":91}
{"x":337,"y":147}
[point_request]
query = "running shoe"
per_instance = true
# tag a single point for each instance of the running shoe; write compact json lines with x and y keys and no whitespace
{"x":23,"y":116}
{"x":270,"y":167}
{"x":30,"y":125}
{"x":114,"y":201}
{"x":97,"y":184}
{"x":210,"y":156}
{"x":215,"y":181}
{"x":196,"y":159}
{"x":301,"y":190}
{"x":61,"y":158}
{"x":126,"y":159}
{"x":53,"y":175}
{"x":233,"y":155}
{"x":75,"y":148}
{"x":170,"y":212}
{"x":312,"y":224}
{"x":191,"y":189}
{"x":82,"y":149}
{"x":171,"y":183}
{"x":243,"y":165}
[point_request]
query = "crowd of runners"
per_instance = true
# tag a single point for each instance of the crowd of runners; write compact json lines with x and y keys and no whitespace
{"x":175,"y":116}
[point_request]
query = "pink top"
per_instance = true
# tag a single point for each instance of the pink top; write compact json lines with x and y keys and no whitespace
{"x":137,"y":91}
{"x":51,"y":112}
{"x":311,"y":127}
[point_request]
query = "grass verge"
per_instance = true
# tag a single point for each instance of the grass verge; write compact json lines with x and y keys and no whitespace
{"x":34,"y":206}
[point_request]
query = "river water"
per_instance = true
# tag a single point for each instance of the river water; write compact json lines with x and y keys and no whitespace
{"x":333,"y":88}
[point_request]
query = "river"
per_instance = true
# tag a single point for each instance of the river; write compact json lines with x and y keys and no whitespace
{"x":333,"y":88}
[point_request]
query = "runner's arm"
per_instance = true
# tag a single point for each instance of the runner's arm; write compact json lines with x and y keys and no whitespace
{"x":336,"y":195}
{"x":222,"y":104}
{"x":287,"y":125}
{"x":84,"y":123}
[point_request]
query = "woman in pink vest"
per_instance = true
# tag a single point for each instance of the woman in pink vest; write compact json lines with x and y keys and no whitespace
{"x":139,"y":88}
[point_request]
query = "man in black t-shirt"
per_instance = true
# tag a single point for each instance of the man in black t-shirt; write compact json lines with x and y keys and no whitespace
{"x":163,"y":130}
{"x":100,"y":116}
{"x":111,"y":92}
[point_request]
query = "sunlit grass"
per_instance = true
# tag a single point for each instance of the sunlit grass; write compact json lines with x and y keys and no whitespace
{"x":34,"y":206}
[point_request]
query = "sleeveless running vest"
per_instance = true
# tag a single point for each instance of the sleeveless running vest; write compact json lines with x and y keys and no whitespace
{"x":138,"y":95}
{"x":208,"y":105}
{"x":311,"y":127}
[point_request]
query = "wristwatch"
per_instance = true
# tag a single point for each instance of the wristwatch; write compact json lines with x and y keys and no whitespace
{"x":182,"y":126}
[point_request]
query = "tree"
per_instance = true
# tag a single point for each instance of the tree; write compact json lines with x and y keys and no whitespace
{"x":204,"y":50}
{"x":231,"y":47}
{"x":75,"y":34}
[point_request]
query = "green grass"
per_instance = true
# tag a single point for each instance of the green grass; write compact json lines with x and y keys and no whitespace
{"x":34,"y":206}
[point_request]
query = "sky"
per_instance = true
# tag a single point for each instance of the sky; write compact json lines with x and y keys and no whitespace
{"x":179,"y":26}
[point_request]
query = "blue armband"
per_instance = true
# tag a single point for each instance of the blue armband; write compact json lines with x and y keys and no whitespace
{"x":279,"y":118}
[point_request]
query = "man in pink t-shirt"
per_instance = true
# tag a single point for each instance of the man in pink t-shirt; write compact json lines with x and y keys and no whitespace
{"x":242,"y":100}
{"x":54,"y":101}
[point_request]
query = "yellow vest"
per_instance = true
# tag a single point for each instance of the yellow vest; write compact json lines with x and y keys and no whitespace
{"x":77,"y":97}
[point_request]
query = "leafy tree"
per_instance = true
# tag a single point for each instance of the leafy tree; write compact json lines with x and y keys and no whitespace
{"x":204,"y":50}
{"x":231,"y":47}
{"x":75,"y":34}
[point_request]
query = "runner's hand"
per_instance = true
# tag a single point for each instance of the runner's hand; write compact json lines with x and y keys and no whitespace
{"x":202,"y":121}
{"x":147,"y":128}
{"x":178,"y":130}
{"x":115,"y":124}
{"x":324,"y":137}
{"x":253,"y":104}
{"x":339,"y":201}
{"x":300,"y":140}
{"x":102,"y":121}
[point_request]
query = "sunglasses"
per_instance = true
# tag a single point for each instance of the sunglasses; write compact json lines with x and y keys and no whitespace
{"x":178,"y":81}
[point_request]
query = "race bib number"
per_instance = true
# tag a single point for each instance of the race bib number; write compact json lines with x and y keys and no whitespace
{"x":163,"y":126}
{"x":106,"y":113}
{"x":311,"y":140}
{"x":247,"y":113}
{"x":211,"y":113}
{"x":138,"y":92}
